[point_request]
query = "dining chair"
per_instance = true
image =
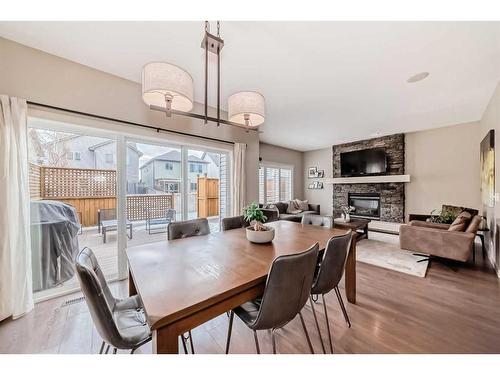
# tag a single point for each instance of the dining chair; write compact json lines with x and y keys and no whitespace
{"x":285,"y":294}
{"x":121,"y":323}
{"x":321,"y":221}
{"x":330,"y":273}
{"x":185,"y":229}
{"x":188,"y":228}
{"x":234,"y":222}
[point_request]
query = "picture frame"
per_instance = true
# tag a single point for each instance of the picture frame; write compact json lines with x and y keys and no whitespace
{"x":311,"y":185}
{"x":312,"y":172}
{"x":320,"y":174}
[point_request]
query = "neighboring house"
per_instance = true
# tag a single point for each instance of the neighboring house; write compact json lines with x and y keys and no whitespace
{"x":86,"y":152}
{"x":163,"y":172}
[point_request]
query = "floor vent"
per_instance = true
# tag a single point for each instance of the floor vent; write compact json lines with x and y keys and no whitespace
{"x":73,"y":301}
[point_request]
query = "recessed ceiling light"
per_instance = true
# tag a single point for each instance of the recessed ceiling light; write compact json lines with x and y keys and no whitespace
{"x":418,"y":77}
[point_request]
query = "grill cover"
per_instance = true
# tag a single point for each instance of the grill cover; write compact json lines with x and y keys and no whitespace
{"x":54,"y":243}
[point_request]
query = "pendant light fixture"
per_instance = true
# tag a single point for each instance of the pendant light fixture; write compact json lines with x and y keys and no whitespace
{"x":170,"y":89}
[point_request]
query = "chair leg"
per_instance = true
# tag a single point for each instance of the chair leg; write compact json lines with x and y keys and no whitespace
{"x":342,"y":306}
{"x":191,"y":342}
{"x":256,"y":341}
{"x":327,"y":324}
{"x":114,"y":351}
{"x":107,"y":350}
{"x":183,"y":339}
{"x":317,"y":324}
{"x":102,"y":347}
{"x":273,"y":339}
{"x":307,"y":333}
{"x":229,"y":331}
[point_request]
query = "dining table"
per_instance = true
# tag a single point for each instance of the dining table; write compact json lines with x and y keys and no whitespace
{"x":186,"y":282}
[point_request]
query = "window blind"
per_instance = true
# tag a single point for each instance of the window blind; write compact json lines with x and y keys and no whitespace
{"x":275,"y":184}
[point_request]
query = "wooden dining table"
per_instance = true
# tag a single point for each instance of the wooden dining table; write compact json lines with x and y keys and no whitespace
{"x":186,"y":282}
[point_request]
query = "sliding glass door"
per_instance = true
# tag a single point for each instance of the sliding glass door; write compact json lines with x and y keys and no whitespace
{"x":72,"y":180}
{"x":94,"y":186}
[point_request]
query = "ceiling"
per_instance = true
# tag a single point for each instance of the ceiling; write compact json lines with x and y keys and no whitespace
{"x":324,"y":82}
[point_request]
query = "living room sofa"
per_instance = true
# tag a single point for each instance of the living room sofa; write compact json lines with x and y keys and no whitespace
{"x":282,"y":208}
{"x":437,"y":240}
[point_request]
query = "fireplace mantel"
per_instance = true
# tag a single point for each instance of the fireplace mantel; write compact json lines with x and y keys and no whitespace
{"x":390,"y":178}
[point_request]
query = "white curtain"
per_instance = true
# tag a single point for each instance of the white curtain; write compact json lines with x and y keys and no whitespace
{"x":16,"y":294}
{"x":239,"y":156}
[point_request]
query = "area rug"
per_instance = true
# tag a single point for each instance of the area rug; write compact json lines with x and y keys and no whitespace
{"x":389,"y":255}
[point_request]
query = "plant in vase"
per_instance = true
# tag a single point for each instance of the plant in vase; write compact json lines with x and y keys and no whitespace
{"x":346,"y":212}
{"x":257,"y":232}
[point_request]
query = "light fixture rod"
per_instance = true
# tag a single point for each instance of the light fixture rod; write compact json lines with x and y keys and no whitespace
{"x":206,"y":75}
{"x":218,"y":85}
{"x":202,"y":117}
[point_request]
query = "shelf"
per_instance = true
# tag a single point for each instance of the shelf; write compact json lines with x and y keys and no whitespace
{"x":369,"y":179}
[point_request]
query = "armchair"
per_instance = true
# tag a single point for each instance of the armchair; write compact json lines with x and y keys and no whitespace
{"x":436,"y":240}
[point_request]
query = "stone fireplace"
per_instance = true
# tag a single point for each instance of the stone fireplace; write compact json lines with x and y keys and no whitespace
{"x":366,"y":206}
{"x":375,"y":201}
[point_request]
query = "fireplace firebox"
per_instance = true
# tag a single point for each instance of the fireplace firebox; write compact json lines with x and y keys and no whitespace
{"x":366,"y":206}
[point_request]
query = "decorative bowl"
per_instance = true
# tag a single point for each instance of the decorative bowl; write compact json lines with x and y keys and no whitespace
{"x":263,"y":236}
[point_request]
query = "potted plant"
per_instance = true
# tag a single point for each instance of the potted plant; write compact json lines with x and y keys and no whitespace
{"x":257,"y":232}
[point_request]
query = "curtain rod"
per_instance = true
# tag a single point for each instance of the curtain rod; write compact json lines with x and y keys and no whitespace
{"x":157,"y":129}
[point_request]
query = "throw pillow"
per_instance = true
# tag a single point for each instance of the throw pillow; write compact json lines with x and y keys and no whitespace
{"x":293,"y":208}
{"x":302,"y":205}
{"x":461,"y":222}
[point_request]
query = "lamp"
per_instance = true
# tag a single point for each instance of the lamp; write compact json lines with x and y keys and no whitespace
{"x":168,"y":86}
{"x":246,"y":108}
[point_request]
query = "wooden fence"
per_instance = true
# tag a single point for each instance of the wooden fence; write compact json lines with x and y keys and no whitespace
{"x":89,"y":190}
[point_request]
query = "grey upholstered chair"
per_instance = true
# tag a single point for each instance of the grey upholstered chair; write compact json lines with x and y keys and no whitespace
{"x":234,"y":222}
{"x":121,"y":323}
{"x":188,"y":228}
{"x":185,"y":229}
{"x":330,"y":273}
{"x":322,"y":221}
{"x":287,"y":289}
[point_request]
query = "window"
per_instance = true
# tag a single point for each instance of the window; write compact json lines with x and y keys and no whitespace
{"x":108,"y":158}
{"x":193,"y":187}
{"x":275,"y":184}
{"x":169,"y":166}
{"x":173,"y":188}
{"x":195,"y":168}
{"x":73,"y":156}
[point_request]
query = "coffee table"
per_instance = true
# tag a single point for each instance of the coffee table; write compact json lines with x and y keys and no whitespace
{"x":360,"y":226}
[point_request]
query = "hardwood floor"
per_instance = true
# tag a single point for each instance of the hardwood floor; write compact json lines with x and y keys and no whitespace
{"x":446,"y":312}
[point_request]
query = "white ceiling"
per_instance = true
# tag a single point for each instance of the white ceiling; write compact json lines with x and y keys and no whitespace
{"x":324,"y":82}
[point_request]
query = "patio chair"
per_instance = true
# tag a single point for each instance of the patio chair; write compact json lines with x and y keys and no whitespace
{"x":106,"y":222}
{"x":165,"y":218}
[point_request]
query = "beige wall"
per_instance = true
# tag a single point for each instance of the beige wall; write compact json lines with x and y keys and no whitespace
{"x":322,"y":159}
{"x":281,"y":155}
{"x":443,"y":165}
{"x":41,"y":77}
{"x":491,"y":120}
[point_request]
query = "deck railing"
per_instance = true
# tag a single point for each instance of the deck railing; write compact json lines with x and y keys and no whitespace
{"x":89,"y":190}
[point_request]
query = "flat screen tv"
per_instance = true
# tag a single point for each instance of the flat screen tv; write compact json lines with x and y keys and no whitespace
{"x":368,"y":162}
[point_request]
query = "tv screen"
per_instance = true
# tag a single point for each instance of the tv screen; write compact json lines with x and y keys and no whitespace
{"x":363,"y":163}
